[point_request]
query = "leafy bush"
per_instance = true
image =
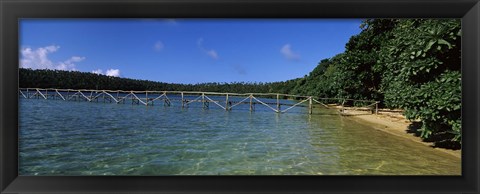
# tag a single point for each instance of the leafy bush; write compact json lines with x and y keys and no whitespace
{"x":425,"y":78}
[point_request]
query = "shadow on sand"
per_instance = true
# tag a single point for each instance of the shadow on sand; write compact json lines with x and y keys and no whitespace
{"x":439,"y":140}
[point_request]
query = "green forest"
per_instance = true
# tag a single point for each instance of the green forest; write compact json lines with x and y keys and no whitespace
{"x":411,"y":64}
{"x":45,"y":78}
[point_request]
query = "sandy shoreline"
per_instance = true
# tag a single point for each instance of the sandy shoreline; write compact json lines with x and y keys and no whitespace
{"x":393,"y":123}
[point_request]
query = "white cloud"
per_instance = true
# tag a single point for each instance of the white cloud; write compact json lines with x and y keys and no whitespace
{"x":69,"y":64}
{"x":288,"y":53}
{"x":38,"y":59}
{"x":76,"y":59}
{"x":113,"y":72}
{"x":109,"y":72}
{"x":98,"y":71}
{"x":212,"y":53}
{"x":158,"y":46}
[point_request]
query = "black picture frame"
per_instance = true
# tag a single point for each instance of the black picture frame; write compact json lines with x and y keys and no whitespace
{"x":12,"y":10}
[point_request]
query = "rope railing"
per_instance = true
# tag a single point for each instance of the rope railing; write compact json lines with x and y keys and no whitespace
{"x":139,"y":100}
{"x":84,"y":96}
{"x":190,"y":101}
{"x":69,"y":98}
{"x":157,"y":98}
{"x":59,"y":94}
{"x":265,"y":104}
{"x":23,"y":94}
{"x":111,"y":96}
{"x":41,"y":94}
{"x":204,"y":96}
{"x":95,"y":97}
{"x":295,"y":105}
{"x":215,"y":102}
{"x":240,"y":102}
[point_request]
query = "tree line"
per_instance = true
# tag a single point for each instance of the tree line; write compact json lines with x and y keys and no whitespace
{"x":46,"y":78}
{"x":412,"y":64}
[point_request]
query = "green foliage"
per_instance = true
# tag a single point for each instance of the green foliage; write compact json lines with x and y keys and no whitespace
{"x":413,"y":64}
{"x":425,"y":79}
{"x":29,"y":78}
{"x":355,"y":73}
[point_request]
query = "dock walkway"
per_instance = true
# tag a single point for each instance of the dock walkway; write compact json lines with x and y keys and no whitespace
{"x":226,"y":101}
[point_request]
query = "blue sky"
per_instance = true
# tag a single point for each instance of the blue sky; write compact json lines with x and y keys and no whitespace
{"x":185,"y":50}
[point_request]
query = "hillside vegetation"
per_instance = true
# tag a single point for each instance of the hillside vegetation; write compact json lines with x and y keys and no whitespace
{"x":414,"y":65}
{"x":46,"y":78}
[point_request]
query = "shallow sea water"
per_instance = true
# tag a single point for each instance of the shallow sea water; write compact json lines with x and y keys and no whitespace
{"x":87,"y":138}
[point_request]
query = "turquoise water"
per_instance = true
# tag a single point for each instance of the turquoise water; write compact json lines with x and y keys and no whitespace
{"x":88,"y":138}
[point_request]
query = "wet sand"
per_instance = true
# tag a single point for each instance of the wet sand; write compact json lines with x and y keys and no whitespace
{"x":393,"y":123}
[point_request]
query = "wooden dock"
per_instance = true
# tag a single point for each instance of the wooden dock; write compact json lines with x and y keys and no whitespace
{"x":184,"y":98}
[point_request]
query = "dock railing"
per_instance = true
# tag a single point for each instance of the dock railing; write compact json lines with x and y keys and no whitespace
{"x":150,"y":97}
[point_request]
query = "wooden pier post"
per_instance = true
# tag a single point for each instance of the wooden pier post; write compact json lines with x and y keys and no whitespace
{"x":310,"y":106}
{"x":118,"y":99}
{"x":203,"y":100}
{"x":46,"y":94}
{"x":146,"y":98}
{"x":110,"y":98}
{"x":131,"y":97}
{"x":251,"y":105}
{"x":183,"y":101}
{"x":376,"y":108}
{"x":166,"y":101}
{"x":226,"y":103}
{"x":278,"y":102}
{"x":28,"y":94}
